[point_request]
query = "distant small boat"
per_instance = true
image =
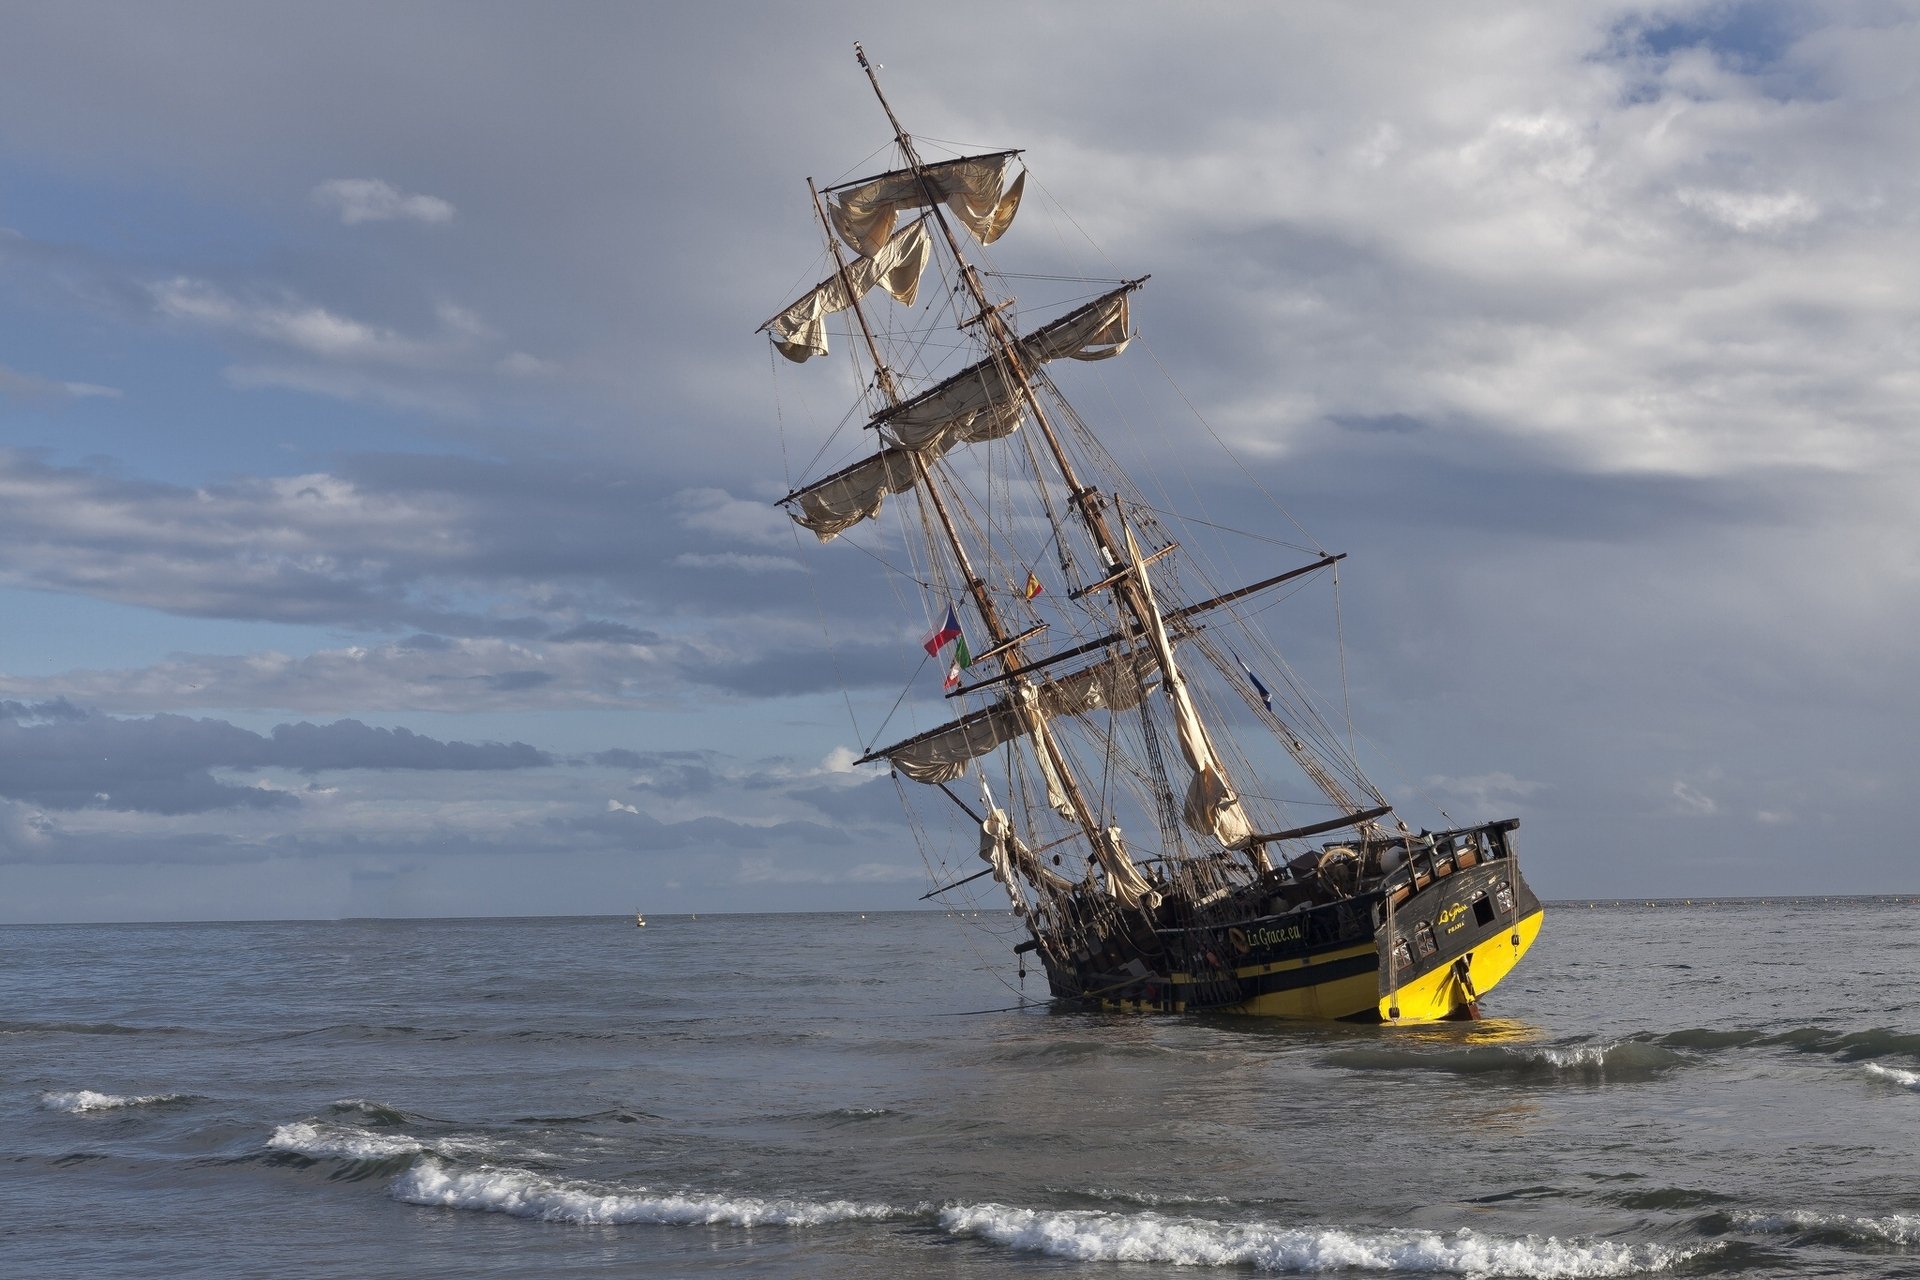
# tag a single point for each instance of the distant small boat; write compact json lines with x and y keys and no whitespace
{"x":639,"y":921}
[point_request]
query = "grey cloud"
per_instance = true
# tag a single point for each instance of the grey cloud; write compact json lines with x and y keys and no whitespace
{"x":606,"y":633}
{"x":164,"y":764}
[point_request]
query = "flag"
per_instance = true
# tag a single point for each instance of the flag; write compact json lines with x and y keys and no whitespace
{"x":947,"y":634}
{"x":1033,"y":585}
{"x":962,"y":659}
{"x":1254,"y":680}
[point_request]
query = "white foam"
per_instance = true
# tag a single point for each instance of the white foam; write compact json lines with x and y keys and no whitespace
{"x":528,"y":1195}
{"x":1894,"y":1228}
{"x":77,"y":1100}
{"x":343,"y":1142}
{"x":1904,"y":1078}
{"x":1091,"y":1236}
{"x":1590,"y":1057}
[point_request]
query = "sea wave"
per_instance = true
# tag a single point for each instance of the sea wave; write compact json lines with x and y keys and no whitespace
{"x":1616,"y":1060}
{"x":75,"y":1101}
{"x":523,"y":1194}
{"x":1844,"y":1228}
{"x":341,"y":1142}
{"x":1897,"y":1075}
{"x":1850,"y":1046}
{"x":1093,"y":1236}
{"x":86,"y":1029}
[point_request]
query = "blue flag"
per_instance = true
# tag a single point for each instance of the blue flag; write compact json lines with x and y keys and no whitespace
{"x":1254,"y":680}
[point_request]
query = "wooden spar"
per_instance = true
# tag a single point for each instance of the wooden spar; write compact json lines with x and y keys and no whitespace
{"x":973,"y":717}
{"x":1118,"y":574}
{"x":1178,"y":615}
{"x":1315,"y":828}
{"x":1011,"y":641}
{"x":916,"y":169}
{"x":955,"y":885}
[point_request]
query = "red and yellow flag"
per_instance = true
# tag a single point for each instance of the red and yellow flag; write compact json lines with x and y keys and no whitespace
{"x":1033,"y":585}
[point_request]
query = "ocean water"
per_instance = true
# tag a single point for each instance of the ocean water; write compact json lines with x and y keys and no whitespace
{"x":1686,"y":1090}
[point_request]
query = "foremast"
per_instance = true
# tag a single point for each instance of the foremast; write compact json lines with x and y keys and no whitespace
{"x":1060,"y":774}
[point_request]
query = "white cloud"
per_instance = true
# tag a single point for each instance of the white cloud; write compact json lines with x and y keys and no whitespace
{"x":719,"y":514}
{"x":358,"y":200}
{"x":1693,"y":801}
{"x":28,"y":386}
{"x":290,"y":322}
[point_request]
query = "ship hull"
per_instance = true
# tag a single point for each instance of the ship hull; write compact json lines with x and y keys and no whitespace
{"x":1454,"y":931}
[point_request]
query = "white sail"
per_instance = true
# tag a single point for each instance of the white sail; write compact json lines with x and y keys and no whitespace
{"x":800,"y":331}
{"x":863,"y":213}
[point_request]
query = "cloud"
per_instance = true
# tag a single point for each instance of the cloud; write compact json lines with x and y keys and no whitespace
{"x":165,"y":763}
{"x":25,"y":386}
{"x":358,"y":200}
{"x":288,"y":321}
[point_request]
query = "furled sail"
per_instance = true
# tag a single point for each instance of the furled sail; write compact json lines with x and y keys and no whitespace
{"x":1096,"y":331}
{"x":982,"y":402}
{"x":1009,"y":856}
{"x":800,"y":332}
{"x":831,"y":506}
{"x":1211,"y":806}
{"x":863,"y":212}
{"x":1118,"y":684}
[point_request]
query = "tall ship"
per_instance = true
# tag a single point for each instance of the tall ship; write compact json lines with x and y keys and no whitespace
{"x":1176,"y":823}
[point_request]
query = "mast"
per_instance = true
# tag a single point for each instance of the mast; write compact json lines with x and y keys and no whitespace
{"x":1105,"y":844}
{"x":1006,"y":646}
{"x":1132,"y":589}
{"x":976,"y":585}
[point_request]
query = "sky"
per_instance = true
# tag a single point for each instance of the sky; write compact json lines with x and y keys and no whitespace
{"x":387,"y":454}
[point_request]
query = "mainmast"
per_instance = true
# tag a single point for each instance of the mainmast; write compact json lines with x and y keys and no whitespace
{"x":1212,"y":790}
{"x":1007,"y":648}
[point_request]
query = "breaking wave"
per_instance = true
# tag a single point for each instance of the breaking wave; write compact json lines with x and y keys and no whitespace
{"x":528,"y":1195}
{"x":1841,"y":1228}
{"x":329,"y":1140}
{"x":1619,"y":1060}
{"x":341,"y":1142}
{"x":75,"y":1101}
{"x":1896,"y":1075}
{"x":1092,"y":1236}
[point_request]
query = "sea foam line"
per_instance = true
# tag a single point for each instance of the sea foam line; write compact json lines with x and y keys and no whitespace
{"x":75,"y":1101}
{"x":528,"y":1195}
{"x":1092,"y":1236}
{"x":1904,"y":1078}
